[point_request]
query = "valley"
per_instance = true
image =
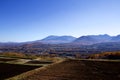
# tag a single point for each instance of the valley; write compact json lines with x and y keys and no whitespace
{"x":59,"y":39}
{"x":97,"y":59}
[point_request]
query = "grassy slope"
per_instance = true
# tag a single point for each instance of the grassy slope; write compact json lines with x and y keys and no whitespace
{"x":31,"y":72}
{"x":79,"y":70}
{"x":9,"y":70}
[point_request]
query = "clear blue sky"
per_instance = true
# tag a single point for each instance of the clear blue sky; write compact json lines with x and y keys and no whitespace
{"x":27,"y":20}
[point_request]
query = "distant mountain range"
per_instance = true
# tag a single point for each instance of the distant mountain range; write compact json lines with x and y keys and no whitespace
{"x":57,"y":39}
{"x":93,"y":39}
{"x":90,"y":42}
{"x":83,"y":40}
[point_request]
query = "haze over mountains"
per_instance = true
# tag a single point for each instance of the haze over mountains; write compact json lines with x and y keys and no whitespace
{"x":68,"y":44}
{"x":93,"y":39}
{"x":83,"y":40}
{"x":57,"y":39}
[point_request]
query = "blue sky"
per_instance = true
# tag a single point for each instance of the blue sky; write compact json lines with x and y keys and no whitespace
{"x":28,"y":20}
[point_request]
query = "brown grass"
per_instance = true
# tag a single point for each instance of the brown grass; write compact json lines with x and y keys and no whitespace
{"x":106,"y":55}
{"x":78,"y":70}
{"x":9,"y":70}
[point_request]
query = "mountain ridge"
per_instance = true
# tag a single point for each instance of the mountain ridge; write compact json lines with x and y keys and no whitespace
{"x":57,"y":39}
{"x":93,"y":39}
{"x":82,"y":40}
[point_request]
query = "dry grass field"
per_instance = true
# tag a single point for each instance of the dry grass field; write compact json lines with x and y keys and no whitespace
{"x":10,"y":67}
{"x":10,"y":70}
{"x":79,"y":70}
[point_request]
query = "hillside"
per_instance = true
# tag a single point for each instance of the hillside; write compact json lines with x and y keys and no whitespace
{"x":116,"y":38}
{"x":93,"y":39}
{"x":107,"y":46}
{"x":57,"y":39}
{"x":78,"y":70}
{"x":106,"y":55}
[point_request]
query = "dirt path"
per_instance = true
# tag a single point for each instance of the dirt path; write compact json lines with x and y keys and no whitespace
{"x":79,"y":70}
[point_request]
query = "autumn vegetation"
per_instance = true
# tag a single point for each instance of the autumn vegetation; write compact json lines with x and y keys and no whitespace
{"x":106,"y":55}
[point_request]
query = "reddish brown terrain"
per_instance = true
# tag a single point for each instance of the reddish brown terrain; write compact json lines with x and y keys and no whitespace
{"x":10,"y":70}
{"x":79,"y":70}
